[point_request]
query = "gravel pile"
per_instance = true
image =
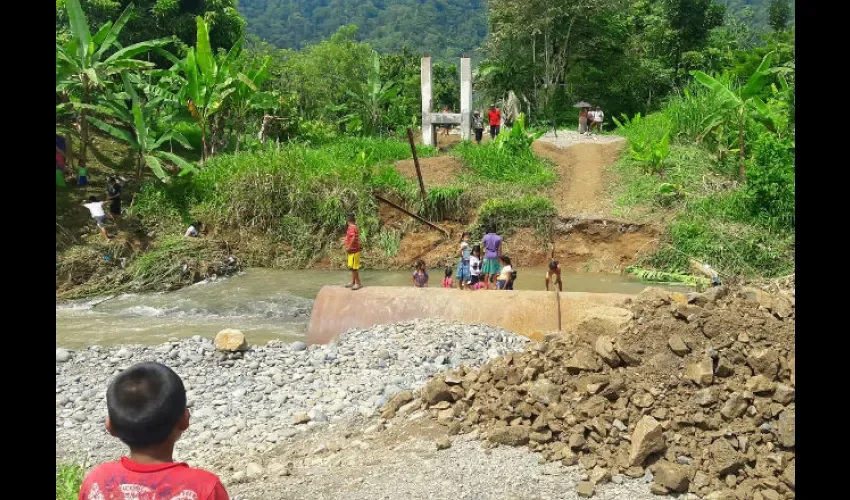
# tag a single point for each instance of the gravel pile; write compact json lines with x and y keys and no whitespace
{"x":697,"y":392}
{"x":251,"y":400}
{"x":568,"y":138}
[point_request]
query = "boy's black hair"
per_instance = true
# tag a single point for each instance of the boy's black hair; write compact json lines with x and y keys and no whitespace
{"x":349,"y":217}
{"x":553,"y":264}
{"x":145,"y":402}
{"x":476,"y":247}
{"x":507,"y":259}
{"x":448,"y":271}
{"x":197,"y":224}
{"x":92,"y":199}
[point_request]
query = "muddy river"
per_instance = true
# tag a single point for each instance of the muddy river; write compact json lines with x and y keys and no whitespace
{"x":265,"y":304}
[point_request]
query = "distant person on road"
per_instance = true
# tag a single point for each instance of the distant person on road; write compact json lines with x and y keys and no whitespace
{"x":506,"y":276}
{"x":495,"y":118}
{"x":95,"y":207}
{"x":420,"y":274}
{"x":146,"y":410}
{"x":582,"y":120}
{"x":478,"y":126}
{"x":447,"y":126}
{"x":475,"y":268}
{"x":553,"y":275}
{"x":464,"y":251}
{"x":492,"y":244}
{"x":194,"y":230}
{"x":352,"y":250}
{"x":598,"y":117}
{"x":113,"y":192}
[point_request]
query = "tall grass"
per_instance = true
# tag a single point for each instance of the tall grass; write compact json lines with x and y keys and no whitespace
{"x":295,"y":194}
{"x":448,"y":203}
{"x":492,"y":163}
{"x":509,"y":214}
{"x":69,"y":478}
{"x":738,"y":229}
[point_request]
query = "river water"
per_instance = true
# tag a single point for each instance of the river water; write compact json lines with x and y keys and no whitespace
{"x":265,"y":304}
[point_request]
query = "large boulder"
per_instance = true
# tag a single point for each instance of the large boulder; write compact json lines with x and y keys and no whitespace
{"x":230,"y":340}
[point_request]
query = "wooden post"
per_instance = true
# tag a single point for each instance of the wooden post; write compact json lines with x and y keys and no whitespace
{"x":416,"y":164}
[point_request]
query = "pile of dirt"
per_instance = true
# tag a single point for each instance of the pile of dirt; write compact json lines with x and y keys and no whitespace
{"x":436,"y":170}
{"x":695,"y":391}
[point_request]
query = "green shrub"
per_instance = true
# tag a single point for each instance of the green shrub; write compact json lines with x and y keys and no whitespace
{"x":492,"y":163}
{"x":69,"y":479}
{"x":447,"y":203}
{"x":770,"y":189}
{"x":508,"y":214}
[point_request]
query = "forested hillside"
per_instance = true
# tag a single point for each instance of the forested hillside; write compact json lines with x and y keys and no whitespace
{"x":446,"y":28}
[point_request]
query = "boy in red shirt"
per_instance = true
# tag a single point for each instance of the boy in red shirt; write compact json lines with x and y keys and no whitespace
{"x":352,"y":249}
{"x":147,"y":411}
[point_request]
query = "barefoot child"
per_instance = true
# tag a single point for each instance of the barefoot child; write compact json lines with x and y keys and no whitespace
{"x":447,"y":278}
{"x":553,"y":275}
{"x":505,"y":280}
{"x":464,"y":253}
{"x":352,"y":250}
{"x":95,"y":206}
{"x":146,"y":407}
{"x":420,"y":275}
{"x":492,"y":244}
{"x":475,"y":268}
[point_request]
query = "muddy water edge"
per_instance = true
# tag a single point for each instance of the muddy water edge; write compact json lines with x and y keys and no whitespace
{"x":266,"y":304}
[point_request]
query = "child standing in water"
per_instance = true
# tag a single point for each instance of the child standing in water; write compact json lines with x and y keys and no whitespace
{"x":352,"y":250}
{"x":464,"y":253}
{"x":475,"y":267}
{"x":506,"y":276}
{"x":420,"y":275}
{"x":447,"y":279}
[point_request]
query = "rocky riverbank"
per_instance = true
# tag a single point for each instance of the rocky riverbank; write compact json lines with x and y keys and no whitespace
{"x":250,"y":401}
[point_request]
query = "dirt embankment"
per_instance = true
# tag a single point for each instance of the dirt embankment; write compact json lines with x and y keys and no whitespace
{"x":695,"y":392}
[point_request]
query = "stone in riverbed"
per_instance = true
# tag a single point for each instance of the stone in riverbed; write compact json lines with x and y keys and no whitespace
{"x":230,"y":340}
{"x":585,"y":489}
{"x":298,"y":346}
{"x":62,"y":355}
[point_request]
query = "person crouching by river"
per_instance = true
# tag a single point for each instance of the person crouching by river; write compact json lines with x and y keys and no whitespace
{"x":507,"y":275}
{"x":420,"y":274}
{"x":553,"y":275}
{"x":352,"y":250}
{"x":492,"y":244}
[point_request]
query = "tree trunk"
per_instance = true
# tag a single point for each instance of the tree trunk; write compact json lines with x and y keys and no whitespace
{"x":140,"y":162}
{"x":742,"y":167}
{"x":84,"y":123}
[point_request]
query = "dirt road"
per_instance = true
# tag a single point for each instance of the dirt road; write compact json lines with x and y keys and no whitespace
{"x":580,"y":162}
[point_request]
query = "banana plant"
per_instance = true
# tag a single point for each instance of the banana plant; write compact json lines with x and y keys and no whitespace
{"x":209,"y":82}
{"x":738,"y":105}
{"x":652,"y":153}
{"x":373,"y":100}
{"x":143,"y":137}
{"x":86,"y":62}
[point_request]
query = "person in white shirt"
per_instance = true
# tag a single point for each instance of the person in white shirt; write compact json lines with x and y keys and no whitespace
{"x":98,"y":214}
{"x":506,"y":277}
{"x":475,"y":267}
{"x":194,"y":230}
{"x":598,"y":117}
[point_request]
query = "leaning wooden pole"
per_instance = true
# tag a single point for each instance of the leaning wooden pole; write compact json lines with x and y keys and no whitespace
{"x":411,"y":214}
{"x":416,"y":164}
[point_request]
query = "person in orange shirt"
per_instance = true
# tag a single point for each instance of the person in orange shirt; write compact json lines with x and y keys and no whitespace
{"x":495,"y":117}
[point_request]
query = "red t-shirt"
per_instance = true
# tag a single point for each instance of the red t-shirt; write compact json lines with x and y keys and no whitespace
{"x":129,"y":480}
{"x":352,"y":239}
{"x":495,"y":116}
